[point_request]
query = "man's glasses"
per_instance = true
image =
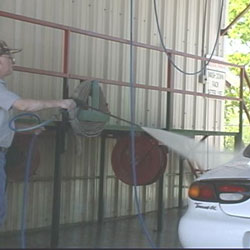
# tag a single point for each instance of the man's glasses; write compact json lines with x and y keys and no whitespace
{"x":13,"y":60}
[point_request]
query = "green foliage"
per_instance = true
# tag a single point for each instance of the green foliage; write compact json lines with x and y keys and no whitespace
{"x":241,"y":28}
{"x":241,"y":59}
{"x":240,"y":31}
{"x":231,"y":107}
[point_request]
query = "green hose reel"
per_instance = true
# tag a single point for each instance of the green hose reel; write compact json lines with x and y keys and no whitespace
{"x":93,"y":100}
{"x":86,"y":119}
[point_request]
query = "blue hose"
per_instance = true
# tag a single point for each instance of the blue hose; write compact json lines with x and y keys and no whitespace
{"x":132,"y":134}
{"x":39,"y":125}
{"x":28,"y":165}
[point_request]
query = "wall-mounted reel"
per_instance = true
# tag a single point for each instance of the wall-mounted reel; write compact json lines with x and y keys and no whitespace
{"x":16,"y":158}
{"x":86,"y":121}
{"x":150,"y":160}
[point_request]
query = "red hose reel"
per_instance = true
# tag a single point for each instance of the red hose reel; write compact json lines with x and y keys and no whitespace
{"x":150,"y":160}
{"x":17,"y":156}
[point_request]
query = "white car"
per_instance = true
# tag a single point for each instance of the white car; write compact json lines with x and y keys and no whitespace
{"x":218,"y":213}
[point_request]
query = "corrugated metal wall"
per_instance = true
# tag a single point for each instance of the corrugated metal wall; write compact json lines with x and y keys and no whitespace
{"x":181,"y":22}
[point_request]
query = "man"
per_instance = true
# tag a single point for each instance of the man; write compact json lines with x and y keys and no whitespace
{"x":9,"y":100}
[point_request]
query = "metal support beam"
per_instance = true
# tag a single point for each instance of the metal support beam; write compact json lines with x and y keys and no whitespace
{"x":239,"y":139}
{"x":101,"y":180}
{"x":241,"y":102}
{"x":168,"y":125}
{"x":57,"y":188}
{"x":66,"y":47}
{"x":102,"y":36}
{"x":160,"y":203}
{"x":181,"y":168}
{"x":60,"y":149}
{"x":247,"y":78}
{"x":169,"y":94}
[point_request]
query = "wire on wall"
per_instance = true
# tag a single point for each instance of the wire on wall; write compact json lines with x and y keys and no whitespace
{"x":165,"y":49}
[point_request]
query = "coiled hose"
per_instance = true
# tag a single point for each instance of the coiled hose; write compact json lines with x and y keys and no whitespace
{"x":87,"y":128}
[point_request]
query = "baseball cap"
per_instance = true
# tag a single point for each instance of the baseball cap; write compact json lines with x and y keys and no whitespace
{"x":5,"y":50}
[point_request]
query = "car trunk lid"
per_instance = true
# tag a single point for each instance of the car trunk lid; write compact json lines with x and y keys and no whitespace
{"x":232,"y":182}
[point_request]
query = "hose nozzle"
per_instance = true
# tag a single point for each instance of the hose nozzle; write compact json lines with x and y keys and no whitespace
{"x":81,"y":104}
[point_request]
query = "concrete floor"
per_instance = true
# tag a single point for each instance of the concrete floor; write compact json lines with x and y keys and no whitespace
{"x":119,"y":233}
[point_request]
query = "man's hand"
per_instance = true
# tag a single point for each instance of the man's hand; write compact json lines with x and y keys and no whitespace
{"x":68,"y":104}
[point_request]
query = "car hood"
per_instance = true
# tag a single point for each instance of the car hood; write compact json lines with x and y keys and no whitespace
{"x":239,"y":167}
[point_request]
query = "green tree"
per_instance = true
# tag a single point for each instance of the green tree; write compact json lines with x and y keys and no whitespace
{"x":241,"y":29}
{"x":241,"y":32}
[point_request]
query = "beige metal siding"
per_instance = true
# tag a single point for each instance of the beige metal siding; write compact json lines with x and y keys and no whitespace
{"x":181,"y":26}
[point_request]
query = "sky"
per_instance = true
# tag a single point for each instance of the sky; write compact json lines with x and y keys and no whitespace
{"x":234,"y":45}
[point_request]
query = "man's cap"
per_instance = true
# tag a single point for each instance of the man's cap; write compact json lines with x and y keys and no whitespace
{"x":5,"y":50}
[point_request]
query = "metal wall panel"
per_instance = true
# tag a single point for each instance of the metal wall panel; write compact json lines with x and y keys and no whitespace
{"x":181,"y":26}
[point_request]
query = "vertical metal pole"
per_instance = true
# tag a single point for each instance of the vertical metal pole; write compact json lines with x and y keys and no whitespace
{"x":241,"y":106}
{"x":57,"y":188}
{"x":238,"y":138}
{"x":180,"y":182}
{"x":60,"y":149}
{"x":161,"y":180}
{"x":169,"y":94}
{"x":160,"y":203}
{"x":101,"y":180}
{"x":66,"y":51}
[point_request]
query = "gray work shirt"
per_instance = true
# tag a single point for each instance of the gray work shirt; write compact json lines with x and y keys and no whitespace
{"x":7,"y":98}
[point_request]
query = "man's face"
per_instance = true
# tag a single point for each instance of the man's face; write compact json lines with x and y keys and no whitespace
{"x":6,"y":64}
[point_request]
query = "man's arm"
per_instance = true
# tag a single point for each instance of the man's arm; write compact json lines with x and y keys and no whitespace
{"x":36,"y":105}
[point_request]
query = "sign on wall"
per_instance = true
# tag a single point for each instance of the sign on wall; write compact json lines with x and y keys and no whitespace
{"x":216,"y":78}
